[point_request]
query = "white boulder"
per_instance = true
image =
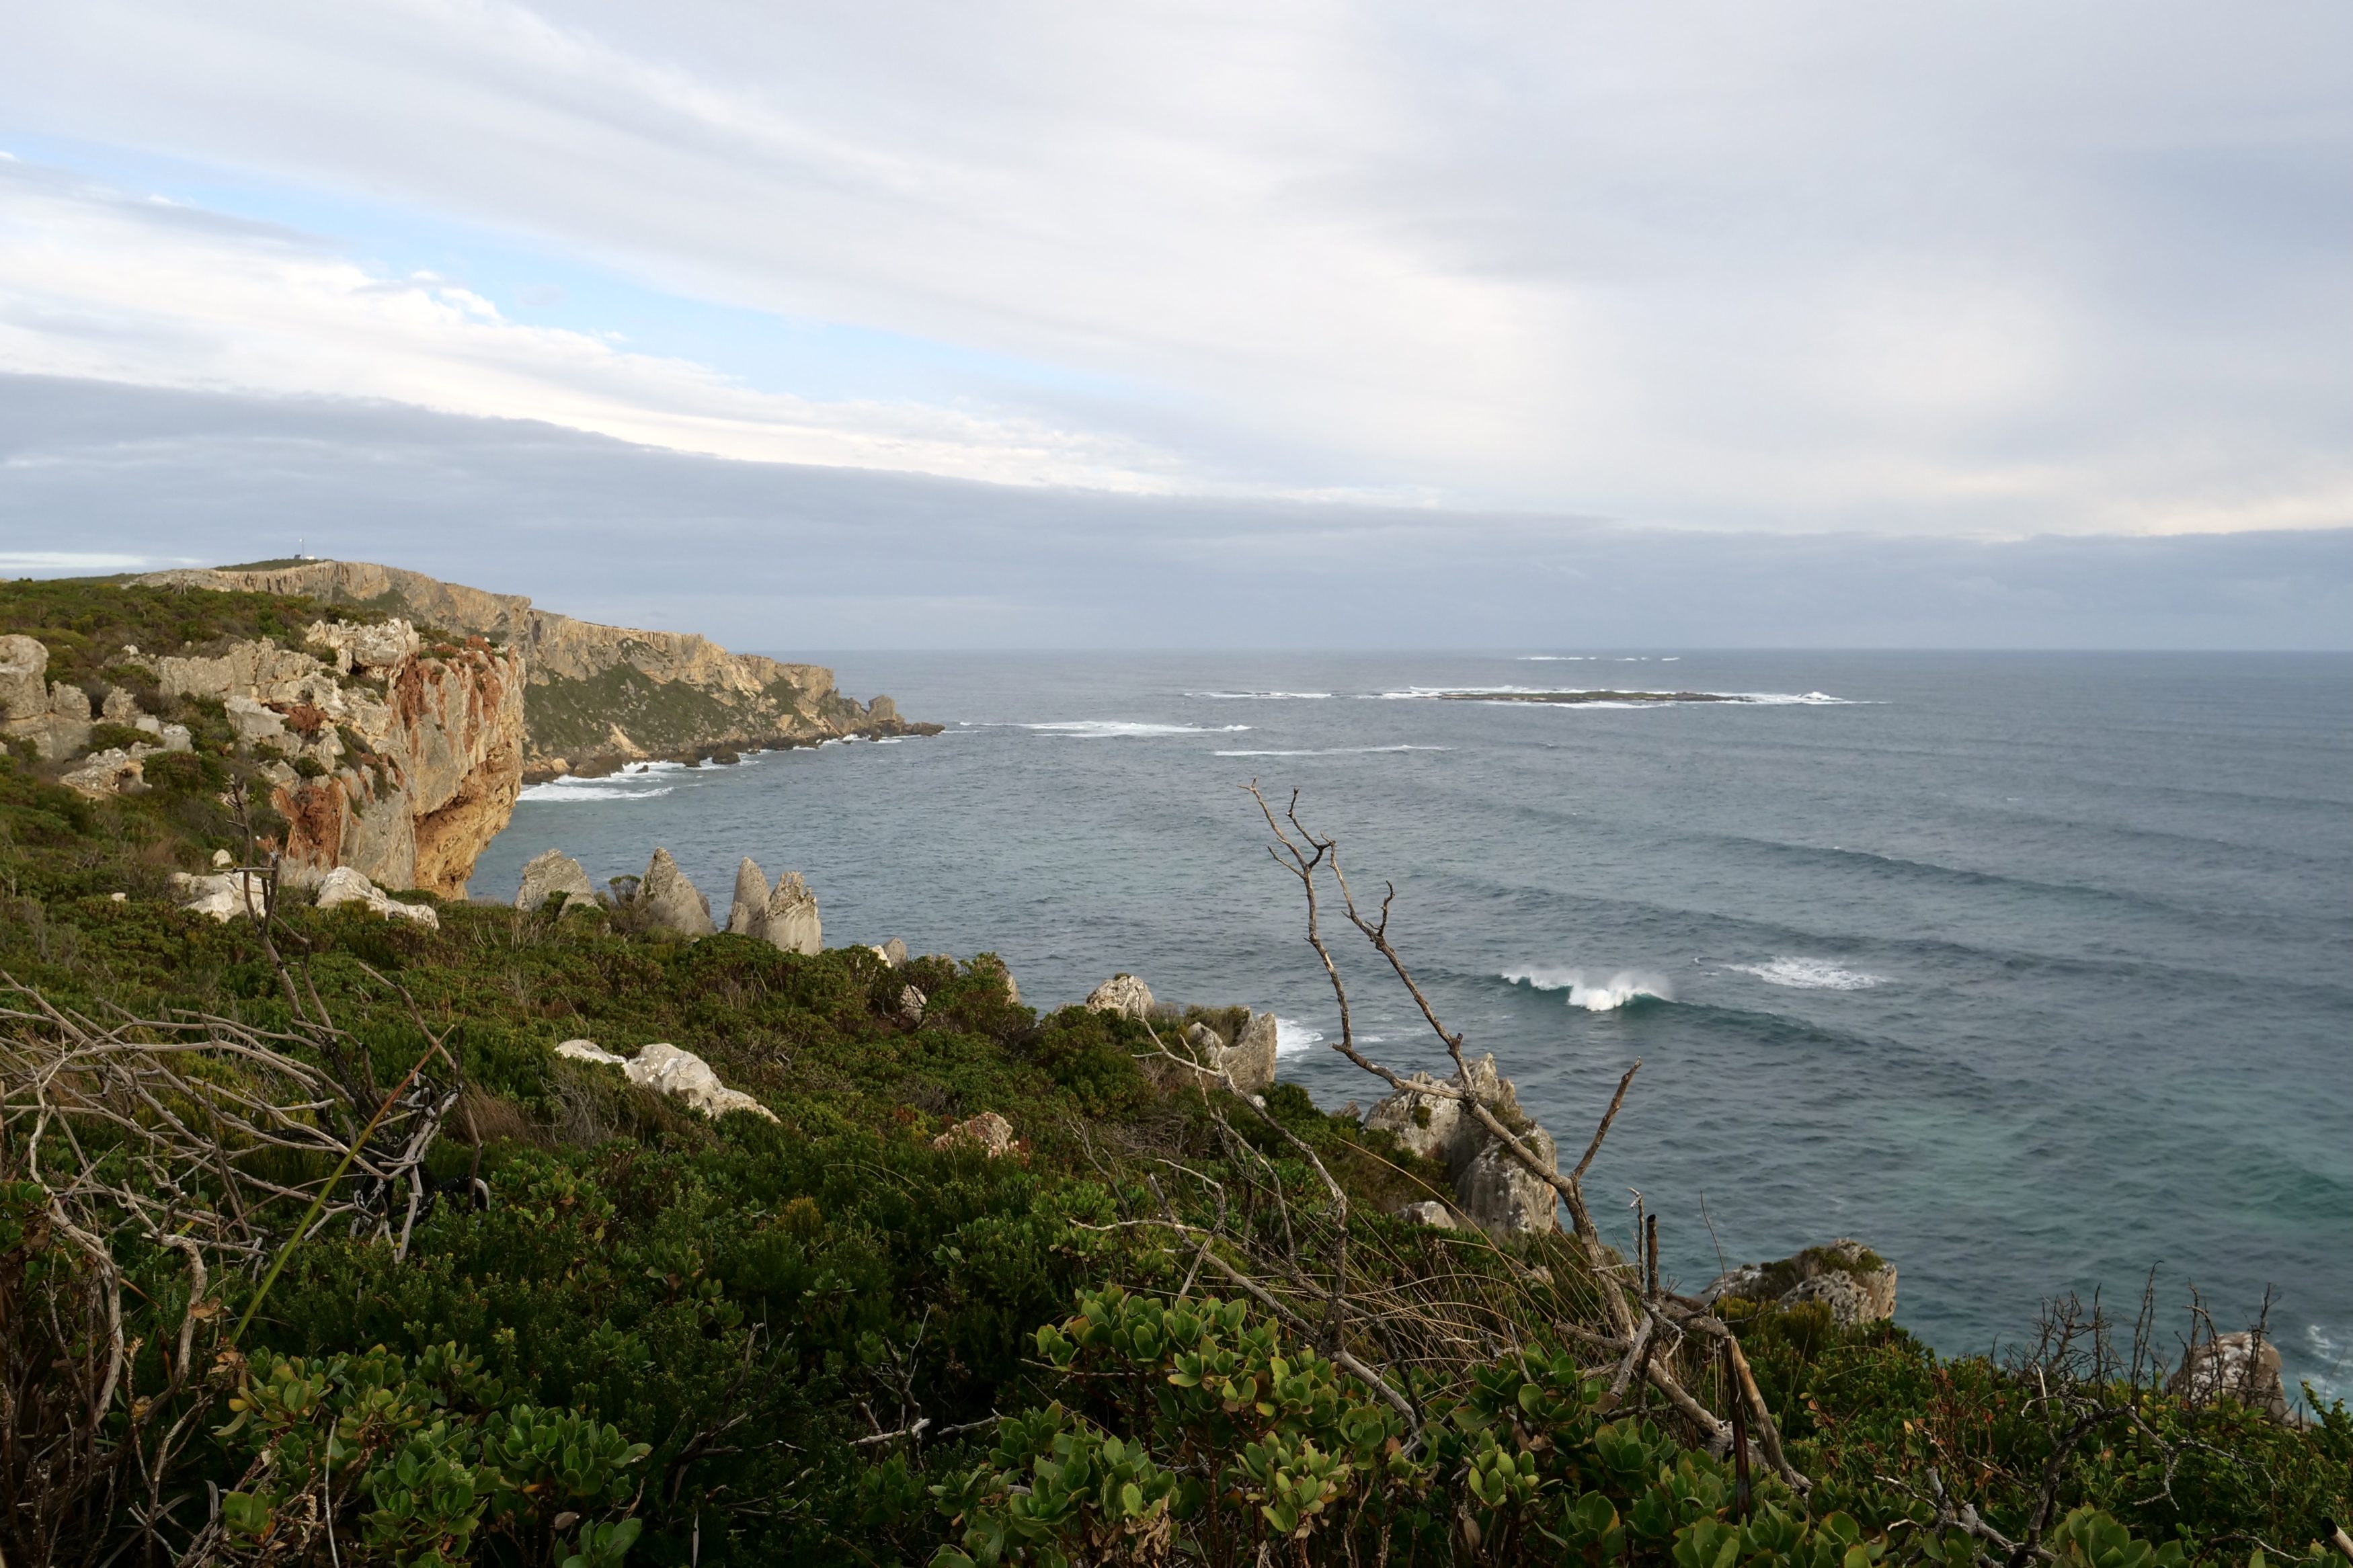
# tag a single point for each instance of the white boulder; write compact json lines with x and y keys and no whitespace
{"x":223,"y":896}
{"x":345,"y":885}
{"x":682,"y":1075}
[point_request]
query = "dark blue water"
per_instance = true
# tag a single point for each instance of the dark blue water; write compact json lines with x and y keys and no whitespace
{"x":2032,"y":970}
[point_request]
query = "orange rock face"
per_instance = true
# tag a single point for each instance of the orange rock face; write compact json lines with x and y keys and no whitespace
{"x":438,"y":780}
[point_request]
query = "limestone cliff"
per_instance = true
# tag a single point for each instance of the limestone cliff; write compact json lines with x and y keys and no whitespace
{"x":403,"y":758}
{"x":596,"y":694}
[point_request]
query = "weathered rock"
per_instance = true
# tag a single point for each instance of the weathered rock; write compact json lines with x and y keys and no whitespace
{"x":670,"y":902}
{"x":23,"y":677}
{"x":681,"y":691}
{"x":1855,"y":1283}
{"x":440,"y":770}
{"x":346,"y":885}
{"x":254,"y":723}
{"x":109,"y":772}
{"x":682,"y":1075}
{"x":352,"y":649}
{"x":989,"y":1132}
{"x":2236,"y":1365}
{"x":223,"y":896}
{"x":748,"y":914}
{"x":1428,"y":1212}
{"x":1492,"y":1187}
{"x":1249,"y":1061}
{"x":69,"y":702}
{"x":790,"y":920}
{"x":1502,"y":1194}
{"x":1122,"y":993}
{"x":589,"y":1051}
{"x":551,"y":874}
{"x":894,"y":953}
{"x":120,"y":707}
{"x":912,"y":1004}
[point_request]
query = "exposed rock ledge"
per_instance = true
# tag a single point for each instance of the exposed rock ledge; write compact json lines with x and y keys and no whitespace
{"x":596,"y":695}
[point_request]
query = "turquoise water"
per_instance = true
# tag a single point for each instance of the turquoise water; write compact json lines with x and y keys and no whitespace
{"x":2035,"y":972}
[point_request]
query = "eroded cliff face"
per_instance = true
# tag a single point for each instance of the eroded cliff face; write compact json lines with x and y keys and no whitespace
{"x":596,"y":693}
{"x":402,"y":759}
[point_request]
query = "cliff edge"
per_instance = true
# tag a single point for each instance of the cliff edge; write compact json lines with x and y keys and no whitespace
{"x":594,"y":696}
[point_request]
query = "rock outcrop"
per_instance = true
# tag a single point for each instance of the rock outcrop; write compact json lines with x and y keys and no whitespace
{"x":1247,"y":1060}
{"x":551,"y":875}
{"x":671,"y":902}
{"x":2240,"y":1365}
{"x":1122,"y":993}
{"x":748,"y":913}
{"x":401,"y":770}
{"x":669,"y":1070}
{"x":785,"y":917}
{"x":789,"y":919}
{"x":988,"y":1133}
{"x":223,"y":895}
{"x":596,"y":694}
{"x":24,"y":678}
{"x":345,"y":885}
{"x":1492,"y":1187}
{"x":1855,"y":1283}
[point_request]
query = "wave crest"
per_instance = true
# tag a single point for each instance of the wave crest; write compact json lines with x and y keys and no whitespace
{"x":1593,"y":993}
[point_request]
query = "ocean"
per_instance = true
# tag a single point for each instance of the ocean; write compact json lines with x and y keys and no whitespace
{"x":2032,"y":970}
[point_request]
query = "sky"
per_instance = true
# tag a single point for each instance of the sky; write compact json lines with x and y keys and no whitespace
{"x":890,"y":325}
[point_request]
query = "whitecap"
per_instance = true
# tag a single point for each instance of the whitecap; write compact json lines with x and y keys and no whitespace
{"x":1336,"y":752}
{"x":1809,"y":975}
{"x":1261,"y":696}
{"x":1292,"y":1037}
{"x":1595,"y":995}
{"x":1122,"y":729}
{"x":2329,"y":1378}
{"x":614,"y":786}
{"x":1752,"y":698}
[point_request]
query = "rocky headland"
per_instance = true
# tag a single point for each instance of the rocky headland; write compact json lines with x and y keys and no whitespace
{"x":595,"y":696}
{"x":371,"y":720}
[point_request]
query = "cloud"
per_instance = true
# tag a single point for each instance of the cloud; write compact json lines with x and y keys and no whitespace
{"x":1994,"y":268}
{"x":100,"y":284}
{"x":784,"y":558}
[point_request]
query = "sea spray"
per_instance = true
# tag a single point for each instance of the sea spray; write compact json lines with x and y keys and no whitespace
{"x":1593,"y":993}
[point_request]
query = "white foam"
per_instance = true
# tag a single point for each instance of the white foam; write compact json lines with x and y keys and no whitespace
{"x":1336,"y":752}
{"x":1809,"y":975}
{"x":616,"y":787}
{"x":1753,"y":699}
{"x":2328,"y":1373}
{"x":1262,"y":695}
{"x":1122,"y":729}
{"x":1292,"y":1037}
{"x":1595,"y":995}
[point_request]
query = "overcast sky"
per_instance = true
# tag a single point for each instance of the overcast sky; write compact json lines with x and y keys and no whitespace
{"x":1974,"y":323}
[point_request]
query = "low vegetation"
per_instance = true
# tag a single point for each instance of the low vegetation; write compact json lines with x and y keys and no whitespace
{"x":313,"y":1249}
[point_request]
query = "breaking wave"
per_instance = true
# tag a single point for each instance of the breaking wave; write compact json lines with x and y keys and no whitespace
{"x":1622,"y":989}
{"x":1752,"y":698}
{"x":1336,"y":752}
{"x":1809,"y":975}
{"x":1292,"y":1037}
{"x":632,"y":783}
{"x":1262,"y":695}
{"x":1122,"y":729}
